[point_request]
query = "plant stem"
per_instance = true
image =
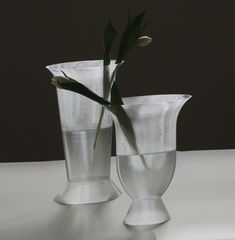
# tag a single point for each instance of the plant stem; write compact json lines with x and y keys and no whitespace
{"x":144,"y":161}
{"x":98,"y":127}
{"x":107,"y":90}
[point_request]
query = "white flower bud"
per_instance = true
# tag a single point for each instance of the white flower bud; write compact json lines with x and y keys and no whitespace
{"x":144,"y":41}
{"x":55,"y":82}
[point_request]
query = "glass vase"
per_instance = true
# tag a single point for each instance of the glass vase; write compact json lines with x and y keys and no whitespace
{"x":88,"y":168}
{"x":146,"y":171}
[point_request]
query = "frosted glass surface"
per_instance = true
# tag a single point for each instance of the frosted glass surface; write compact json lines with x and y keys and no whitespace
{"x":88,"y":168}
{"x":154,"y":121}
{"x":76,"y":111}
{"x":145,"y":178}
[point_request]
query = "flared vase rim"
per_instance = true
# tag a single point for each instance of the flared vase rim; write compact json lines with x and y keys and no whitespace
{"x":150,"y":99}
{"x":79,"y":65}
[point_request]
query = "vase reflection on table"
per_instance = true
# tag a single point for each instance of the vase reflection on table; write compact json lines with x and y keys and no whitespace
{"x":146,"y":178}
{"x":88,"y":168}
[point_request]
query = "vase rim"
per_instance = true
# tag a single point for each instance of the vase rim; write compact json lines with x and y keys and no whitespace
{"x":152,"y":99}
{"x":84,"y":64}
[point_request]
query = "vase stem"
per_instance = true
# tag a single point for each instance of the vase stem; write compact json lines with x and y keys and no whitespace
{"x":148,"y":211}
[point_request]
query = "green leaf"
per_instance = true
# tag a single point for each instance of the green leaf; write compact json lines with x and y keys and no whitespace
{"x":109,"y":36}
{"x":99,"y":127}
{"x":106,"y":87}
{"x":108,"y":39}
{"x":70,"y":84}
{"x":125,"y":123}
{"x":127,"y":128}
{"x":130,"y":36}
{"x":129,"y":39}
{"x":106,"y":82}
{"x":115,"y":95}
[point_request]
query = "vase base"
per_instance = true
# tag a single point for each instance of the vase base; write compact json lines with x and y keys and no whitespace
{"x":88,"y":192}
{"x":144,"y":212}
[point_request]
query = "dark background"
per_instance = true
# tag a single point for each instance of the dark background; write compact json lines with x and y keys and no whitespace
{"x":192,"y":52}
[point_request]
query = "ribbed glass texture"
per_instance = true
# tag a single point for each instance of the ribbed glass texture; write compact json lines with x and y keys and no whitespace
{"x":88,"y":169}
{"x":146,"y":172}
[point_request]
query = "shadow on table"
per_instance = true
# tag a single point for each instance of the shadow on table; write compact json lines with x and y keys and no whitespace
{"x":94,"y":221}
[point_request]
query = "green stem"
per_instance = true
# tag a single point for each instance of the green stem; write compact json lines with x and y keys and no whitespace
{"x":106,"y":87}
{"x":98,"y":127}
{"x":144,"y":161}
{"x":107,"y":90}
{"x":113,"y":76}
{"x":127,"y":128}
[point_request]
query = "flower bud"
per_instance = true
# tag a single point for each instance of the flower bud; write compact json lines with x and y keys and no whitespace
{"x":55,"y":82}
{"x":144,"y":41}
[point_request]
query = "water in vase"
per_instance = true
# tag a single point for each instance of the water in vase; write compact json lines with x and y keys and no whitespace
{"x":146,"y":179}
{"x":83,"y":161}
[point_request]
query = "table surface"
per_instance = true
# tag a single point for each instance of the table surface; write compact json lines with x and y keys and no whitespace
{"x":200,"y":200}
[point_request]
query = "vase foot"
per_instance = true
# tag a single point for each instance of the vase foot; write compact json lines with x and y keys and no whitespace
{"x":149,"y":211}
{"x":88,"y":192}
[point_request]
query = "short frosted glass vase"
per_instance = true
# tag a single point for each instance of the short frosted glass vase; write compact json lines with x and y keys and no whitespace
{"x":88,"y":169}
{"x":146,"y":178}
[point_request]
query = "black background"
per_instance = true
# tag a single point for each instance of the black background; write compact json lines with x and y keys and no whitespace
{"x":192,"y":52}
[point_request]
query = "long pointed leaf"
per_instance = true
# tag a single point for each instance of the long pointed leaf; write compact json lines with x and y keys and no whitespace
{"x":108,"y":39}
{"x":74,"y":86}
{"x":115,"y":95}
{"x":127,"y":128}
{"x":121,"y":115}
{"x":129,"y":39}
{"x":109,"y":36}
{"x":130,"y":36}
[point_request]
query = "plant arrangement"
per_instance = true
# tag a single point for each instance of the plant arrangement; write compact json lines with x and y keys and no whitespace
{"x":111,"y":100}
{"x":145,"y":169}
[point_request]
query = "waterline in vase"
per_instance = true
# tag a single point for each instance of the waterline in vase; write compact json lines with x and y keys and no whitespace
{"x":82,"y":160}
{"x":140,"y":181}
{"x":88,"y":169}
{"x":154,"y":120}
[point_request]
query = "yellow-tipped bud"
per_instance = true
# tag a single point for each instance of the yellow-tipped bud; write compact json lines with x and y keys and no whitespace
{"x":144,"y":41}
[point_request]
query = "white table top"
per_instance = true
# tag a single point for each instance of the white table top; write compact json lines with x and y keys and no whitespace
{"x":200,"y":200}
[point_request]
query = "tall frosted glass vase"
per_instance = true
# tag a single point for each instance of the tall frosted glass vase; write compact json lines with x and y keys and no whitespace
{"x":146,"y":173}
{"x":88,"y":168}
